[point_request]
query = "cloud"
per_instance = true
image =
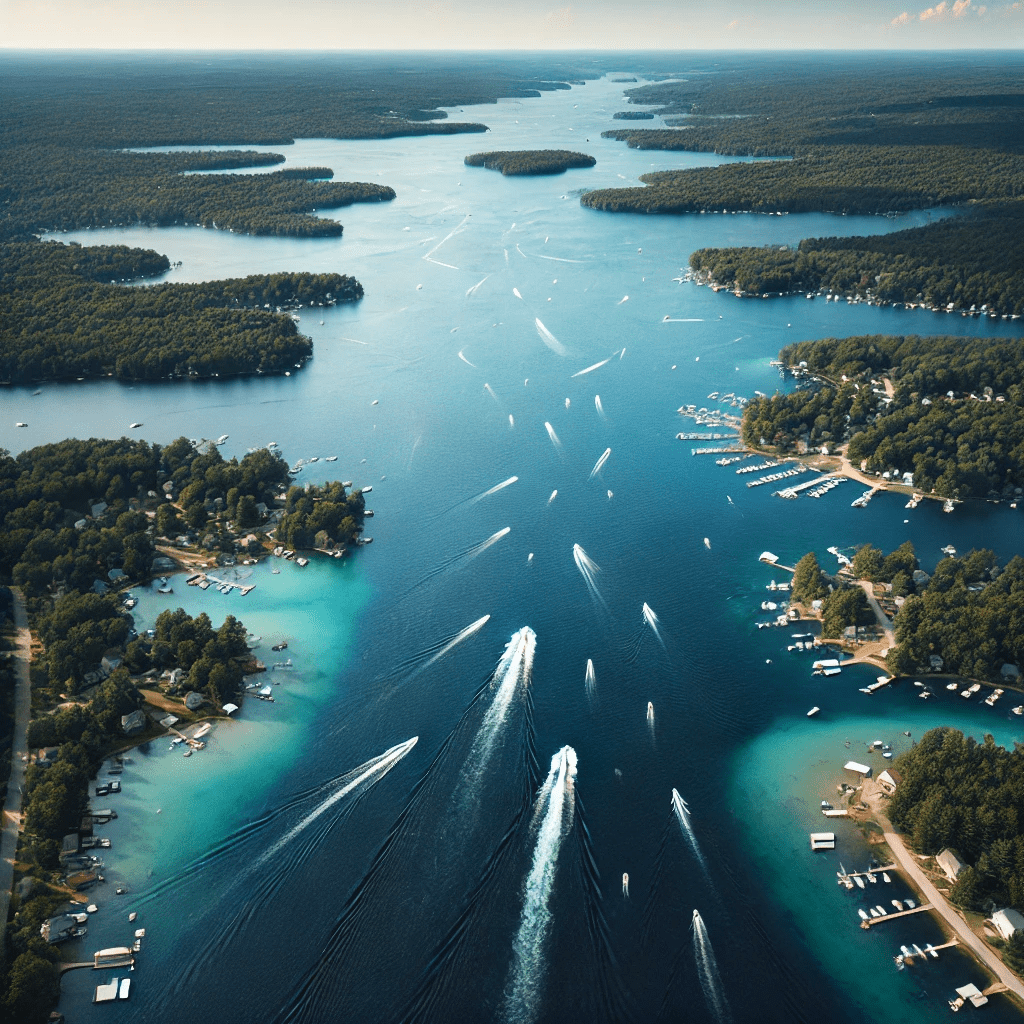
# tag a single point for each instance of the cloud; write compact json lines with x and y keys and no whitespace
{"x":901,"y":20}
{"x":961,"y":7}
{"x":934,"y":12}
{"x":735,"y":23}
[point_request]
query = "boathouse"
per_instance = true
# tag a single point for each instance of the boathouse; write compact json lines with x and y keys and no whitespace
{"x":823,"y":840}
{"x":952,"y":866}
{"x":863,"y":770}
{"x":889,"y":780}
{"x":1007,"y":921}
{"x":768,"y":557}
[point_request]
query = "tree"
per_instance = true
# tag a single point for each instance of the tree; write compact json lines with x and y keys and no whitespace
{"x":842,"y":608}
{"x":967,"y":889}
{"x":32,"y":989}
{"x":867,"y":563}
{"x":809,"y":582}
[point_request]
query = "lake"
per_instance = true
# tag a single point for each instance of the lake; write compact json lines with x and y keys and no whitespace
{"x":312,"y":863}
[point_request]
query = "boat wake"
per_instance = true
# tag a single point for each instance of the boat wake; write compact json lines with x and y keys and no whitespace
{"x":588,"y":570}
{"x":549,"y":339}
{"x":599,"y":465}
{"x":707,"y":970}
{"x":466,"y":361}
{"x":553,"y":818}
{"x":599,"y":407}
{"x":554,"y":437}
{"x":591,"y":369}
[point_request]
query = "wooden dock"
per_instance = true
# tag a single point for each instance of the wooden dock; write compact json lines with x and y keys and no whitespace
{"x":873,"y":871}
{"x":911,"y":960}
{"x":872,"y":921}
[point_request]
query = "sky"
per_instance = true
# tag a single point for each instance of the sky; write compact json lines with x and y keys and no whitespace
{"x":508,"y":25}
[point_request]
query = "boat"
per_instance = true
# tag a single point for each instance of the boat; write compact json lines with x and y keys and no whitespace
{"x":625,"y":884}
{"x":881,"y":910}
{"x":1019,"y":709}
{"x":918,"y":950}
{"x":947,"y":505}
{"x":910,"y":904}
{"x":91,"y":909}
{"x":125,"y":988}
{"x":875,"y":913}
{"x":134,"y":426}
{"x":930,"y":949}
{"x":188,"y":753}
{"x":331,"y":458}
{"x":949,"y":550}
{"x":650,"y":712}
{"x":222,"y":438}
{"x":864,"y":916}
{"x":952,"y":686}
{"x":281,"y":646}
{"x":871,"y":878}
{"x":132,"y":916}
{"x":813,"y":711}
{"x":859,"y":881}
{"x":366,"y":490}
{"x":898,"y":905}
{"x":826,"y":806}
{"x":885,"y":876}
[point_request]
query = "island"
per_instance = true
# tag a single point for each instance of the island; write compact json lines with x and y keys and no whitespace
{"x":530,"y":161}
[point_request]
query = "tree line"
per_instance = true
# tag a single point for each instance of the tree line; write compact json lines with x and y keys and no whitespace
{"x":62,"y":319}
{"x":966,"y":444}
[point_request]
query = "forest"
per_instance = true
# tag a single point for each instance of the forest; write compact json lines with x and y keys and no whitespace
{"x":955,"y":419}
{"x":323,"y":517}
{"x":864,"y":137}
{"x":842,"y":605}
{"x":956,"y":792}
{"x":63,"y":316}
{"x":530,"y":161}
{"x":970,"y":613}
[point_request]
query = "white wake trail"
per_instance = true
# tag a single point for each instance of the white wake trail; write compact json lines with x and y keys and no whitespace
{"x":652,"y":620}
{"x":596,"y":366}
{"x":707,"y":969}
{"x":474,"y":627}
{"x":472,"y":288}
{"x":599,"y":465}
{"x":549,"y":339}
{"x":599,"y":407}
{"x":588,"y":569}
{"x":451,"y":234}
{"x":372,"y":771}
{"x":494,"y":490}
{"x":465,"y":360}
{"x":554,"y":810}
{"x":682,"y":813}
{"x":484,"y":545}
{"x":551,"y":433}
{"x":589,"y":679}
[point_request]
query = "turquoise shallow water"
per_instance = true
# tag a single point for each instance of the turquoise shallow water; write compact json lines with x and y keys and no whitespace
{"x":251,"y":868}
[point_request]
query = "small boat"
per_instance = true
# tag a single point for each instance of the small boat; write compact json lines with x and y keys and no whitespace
{"x":864,"y":916}
{"x":125,"y":988}
{"x":930,"y":949}
{"x":281,"y":646}
{"x":650,"y":712}
{"x":222,"y":438}
{"x":918,"y":950}
{"x":826,"y":806}
{"x":813,"y":712}
{"x":910,"y":904}
{"x":132,"y":916}
{"x":134,"y":426}
{"x":885,"y":877}
{"x":91,"y":909}
{"x":121,"y":890}
{"x":859,"y":881}
{"x":871,"y":878}
{"x":625,"y":884}
{"x":875,"y":913}
{"x":331,"y":458}
{"x":188,"y":753}
{"x":1019,"y":709}
{"x":897,"y":904}
{"x":881,"y":910}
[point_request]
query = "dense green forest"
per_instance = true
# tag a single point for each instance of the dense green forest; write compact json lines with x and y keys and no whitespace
{"x":968,"y":444}
{"x":842,"y":605}
{"x":632,"y":115}
{"x":969,"y":796}
{"x":865,"y":136}
{"x":975,"y":260}
{"x":530,"y":161}
{"x":60,"y":319}
{"x":970,"y":613}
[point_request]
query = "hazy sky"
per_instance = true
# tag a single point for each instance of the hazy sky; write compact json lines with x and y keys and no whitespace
{"x":513,"y":24}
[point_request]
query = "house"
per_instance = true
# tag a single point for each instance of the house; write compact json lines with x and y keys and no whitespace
{"x":908,"y":479}
{"x":97,"y":509}
{"x":82,"y":880}
{"x":133,"y":724}
{"x":889,"y":780}
{"x":69,"y":846}
{"x":61,"y":928}
{"x":935,"y":662}
{"x":1007,"y":921}
{"x":1010,"y":672}
{"x":862,"y":770}
{"x":952,"y":866}
{"x":46,"y":756}
{"x":110,"y":661}
{"x":920,"y":577}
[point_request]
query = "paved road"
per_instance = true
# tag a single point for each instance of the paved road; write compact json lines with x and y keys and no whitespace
{"x":19,"y":753}
{"x":883,"y":620}
{"x":908,"y":862}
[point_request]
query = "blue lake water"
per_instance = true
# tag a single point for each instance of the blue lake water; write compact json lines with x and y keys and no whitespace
{"x":331,"y":884}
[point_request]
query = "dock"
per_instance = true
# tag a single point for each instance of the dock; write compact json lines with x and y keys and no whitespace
{"x":871,"y":921}
{"x":911,"y":960}
{"x":706,"y":437}
{"x":836,"y":813}
{"x":873,"y":871}
{"x":823,"y":840}
{"x":206,"y":580}
{"x":730,"y":449}
{"x":792,"y":492}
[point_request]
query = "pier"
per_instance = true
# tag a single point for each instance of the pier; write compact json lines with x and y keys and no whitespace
{"x":204,"y":580}
{"x":792,"y":492}
{"x":720,"y":450}
{"x":684,"y":436}
{"x":873,"y":871}
{"x":872,"y":921}
{"x":911,"y":960}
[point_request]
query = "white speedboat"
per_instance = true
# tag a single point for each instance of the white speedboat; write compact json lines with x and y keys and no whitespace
{"x":125,"y":988}
{"x":885,"y":876}
{"x":864,"y":916}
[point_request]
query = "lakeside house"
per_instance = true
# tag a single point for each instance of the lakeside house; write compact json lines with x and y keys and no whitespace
{"x":863,"y":770}
{"x":889,"y":780}
{"x":952,"y":866}
{"x":1007,"y":921}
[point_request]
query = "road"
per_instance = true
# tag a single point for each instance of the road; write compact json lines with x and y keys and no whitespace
{"x":883,"y":620}
{"x":908,"y":862}
{"x":19,"y":753}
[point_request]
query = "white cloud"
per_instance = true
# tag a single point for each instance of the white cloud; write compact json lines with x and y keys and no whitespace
{"x":961,"y":7}
{"x":901,"y":20}
{"x":735,"y":23}
{"x":934,"y":12}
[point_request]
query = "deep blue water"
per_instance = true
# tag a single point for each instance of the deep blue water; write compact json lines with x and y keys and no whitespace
{"x":269,"y":893}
